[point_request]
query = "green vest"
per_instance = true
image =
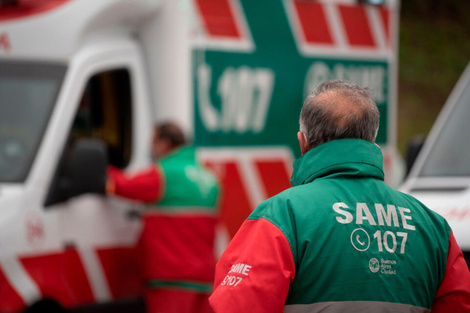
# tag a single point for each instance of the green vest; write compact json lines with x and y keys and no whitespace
{"x":353,"y":238}
{"x":188,"y":185}
{"x":179,"y":230}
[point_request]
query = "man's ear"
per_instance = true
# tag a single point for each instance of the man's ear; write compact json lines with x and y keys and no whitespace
{"x":302,"y":142}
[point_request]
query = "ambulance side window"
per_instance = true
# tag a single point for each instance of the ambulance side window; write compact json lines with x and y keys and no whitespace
{"x":104,"y":113}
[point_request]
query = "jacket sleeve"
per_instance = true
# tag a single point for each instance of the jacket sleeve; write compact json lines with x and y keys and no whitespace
{"x":145,"y":186}
{"x":255,"y":271}
{"x":453,"y":294}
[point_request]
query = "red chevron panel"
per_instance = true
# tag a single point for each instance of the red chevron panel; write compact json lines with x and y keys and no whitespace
{"x":356,"y":25}
{"x":274,"y":175}
{"x":60,"y":276}
{"x":218,"y":18}
{"x":313,"y":22}
{"x":235,"y":205}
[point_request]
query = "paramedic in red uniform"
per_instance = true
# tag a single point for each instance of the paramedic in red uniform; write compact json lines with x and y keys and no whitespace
{"x":179,"y":223}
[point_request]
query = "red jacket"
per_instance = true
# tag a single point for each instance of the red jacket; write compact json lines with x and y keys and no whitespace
{"x":179,"y":225}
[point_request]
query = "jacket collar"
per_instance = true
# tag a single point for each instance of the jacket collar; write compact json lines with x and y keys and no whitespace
{"x":341,"y":157}
{"x":183,"y":152}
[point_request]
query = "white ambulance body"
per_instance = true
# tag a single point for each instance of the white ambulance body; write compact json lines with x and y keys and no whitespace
{"x":83,"y":81}
{"x":76,"y":71}
{"x":440,"y":177}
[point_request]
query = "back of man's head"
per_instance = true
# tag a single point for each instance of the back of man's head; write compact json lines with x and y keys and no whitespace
{"x":171,"y":132}
{"x":338,"y":110}
{"x":167,"y":137}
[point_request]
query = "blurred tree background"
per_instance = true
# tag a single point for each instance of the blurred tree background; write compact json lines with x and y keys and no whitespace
{"x":434,"y":50}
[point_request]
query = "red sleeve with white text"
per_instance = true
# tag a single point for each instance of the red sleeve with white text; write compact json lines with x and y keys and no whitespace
{"x":453,"y":294}
{"x":146,"y":185}
{"x":255,"y":271}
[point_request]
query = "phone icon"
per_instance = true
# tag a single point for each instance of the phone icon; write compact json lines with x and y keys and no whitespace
{"x":359,"y":240}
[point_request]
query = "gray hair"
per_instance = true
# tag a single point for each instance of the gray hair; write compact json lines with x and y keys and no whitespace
{"x":337,"y":110}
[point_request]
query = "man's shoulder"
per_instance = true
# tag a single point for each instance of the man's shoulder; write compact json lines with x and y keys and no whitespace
{"x":296,"y":195}
{"x":277,"y":206}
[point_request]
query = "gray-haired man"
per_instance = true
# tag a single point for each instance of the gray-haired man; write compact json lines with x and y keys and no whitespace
{"x":341,"y":240}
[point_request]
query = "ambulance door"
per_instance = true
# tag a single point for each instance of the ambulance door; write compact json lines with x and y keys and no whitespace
{"x":99,"y":234}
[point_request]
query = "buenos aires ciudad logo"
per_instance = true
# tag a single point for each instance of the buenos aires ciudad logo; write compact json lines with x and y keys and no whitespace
{"x":374,"y":265}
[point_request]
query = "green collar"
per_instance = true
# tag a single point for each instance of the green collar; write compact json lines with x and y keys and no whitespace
{"x":340,"y":157}
{"x":183,"y":152}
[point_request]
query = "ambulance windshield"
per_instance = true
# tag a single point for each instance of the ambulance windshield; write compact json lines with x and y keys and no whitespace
{"x":450,"y":154}
{"x":27,"y":95}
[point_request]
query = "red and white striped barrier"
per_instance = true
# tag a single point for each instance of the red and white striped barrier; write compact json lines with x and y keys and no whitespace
{"x":328,"y":27}
{"x":341,"y":28}
{"x":221,"y":26}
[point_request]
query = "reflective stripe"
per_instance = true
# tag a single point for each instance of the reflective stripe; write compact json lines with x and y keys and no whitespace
{"x":185,"y":285}
{"x":20,"y":280}
{"x":355,"y":307}
{"x":95,"y":273}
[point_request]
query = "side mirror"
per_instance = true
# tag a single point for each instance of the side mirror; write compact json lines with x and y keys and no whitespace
{"x":86,"y":170}
{"x":82,"y":169}
{"x":414,"y":147}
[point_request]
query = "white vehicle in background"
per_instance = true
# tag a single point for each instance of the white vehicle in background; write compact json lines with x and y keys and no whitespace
{"x":440,"y":176}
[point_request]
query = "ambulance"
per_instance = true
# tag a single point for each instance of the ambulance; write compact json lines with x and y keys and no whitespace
{"x":82,"y":83}
{"x":440,"y":176}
